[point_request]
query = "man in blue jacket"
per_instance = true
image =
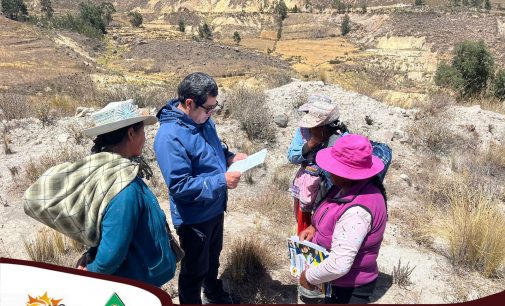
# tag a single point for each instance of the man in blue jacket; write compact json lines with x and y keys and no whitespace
{"x":193,"y":162}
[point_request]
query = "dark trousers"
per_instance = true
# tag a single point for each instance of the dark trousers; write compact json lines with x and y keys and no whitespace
{"x":351,"y":295}
{"x":202,"y":244}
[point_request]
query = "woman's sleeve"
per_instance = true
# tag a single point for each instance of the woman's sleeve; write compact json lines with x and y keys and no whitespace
{"x":348,"y":235}
{"x":118,"y":226}
{"x":295,"y":155}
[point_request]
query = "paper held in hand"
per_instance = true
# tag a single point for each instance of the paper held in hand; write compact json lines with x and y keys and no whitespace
{"x":250,"y":162}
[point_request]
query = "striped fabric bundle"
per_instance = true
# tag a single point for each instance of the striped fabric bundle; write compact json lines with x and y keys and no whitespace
{"x":71,"y":197}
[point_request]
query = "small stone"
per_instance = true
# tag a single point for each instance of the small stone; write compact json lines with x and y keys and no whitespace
{"x":62,"y":137}
{"x":281,"y":120}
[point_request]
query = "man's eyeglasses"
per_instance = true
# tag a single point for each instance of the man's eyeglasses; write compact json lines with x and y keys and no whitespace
{"x":210,"y":109}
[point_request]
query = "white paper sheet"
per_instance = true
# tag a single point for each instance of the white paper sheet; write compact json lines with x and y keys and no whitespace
{"x":250,"y":162}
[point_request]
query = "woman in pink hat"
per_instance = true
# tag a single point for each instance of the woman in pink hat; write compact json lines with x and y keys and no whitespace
{"x":350,"y":222}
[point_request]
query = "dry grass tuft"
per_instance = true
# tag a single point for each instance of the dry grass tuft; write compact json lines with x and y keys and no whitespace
{"x":283,"y":176}
{"x":323,"y":76}
{"x":52,"y":247}
{"x":249,"y":260}
{"x":401,"y":274}
{"x":437,"y":103}
{"x":35,"y":168}
{"x":62,"y":104}
{"x":248,"y":106}
{"x":278,"y":78}
{"x":488,"y":103}
{"x":469,"y":219}
{"x":151,"y":97}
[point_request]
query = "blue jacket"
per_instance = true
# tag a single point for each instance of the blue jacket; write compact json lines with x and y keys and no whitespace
{"x":134,"y":240}
{"x":193,"y":162}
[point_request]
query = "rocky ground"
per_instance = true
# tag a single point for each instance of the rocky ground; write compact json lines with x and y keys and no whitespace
{"x":433,"y":280}
{"x":390,"y":54}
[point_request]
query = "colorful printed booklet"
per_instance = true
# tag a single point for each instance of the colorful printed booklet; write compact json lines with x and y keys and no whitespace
{"x":305,"y":254}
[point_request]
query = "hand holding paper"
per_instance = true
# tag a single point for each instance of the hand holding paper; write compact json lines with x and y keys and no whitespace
{"x":250,"y":162}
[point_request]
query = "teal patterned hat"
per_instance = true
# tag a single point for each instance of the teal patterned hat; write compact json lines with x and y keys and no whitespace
{"x":117,"y":115}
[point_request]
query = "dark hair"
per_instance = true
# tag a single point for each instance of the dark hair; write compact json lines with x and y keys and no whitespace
{"x":104,"y":140}
{"x":338,"y":126}
{"x":197,"y":86}
{"x":378,"y":183}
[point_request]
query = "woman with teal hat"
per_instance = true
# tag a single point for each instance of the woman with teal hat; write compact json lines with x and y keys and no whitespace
{"x":102,"y":201}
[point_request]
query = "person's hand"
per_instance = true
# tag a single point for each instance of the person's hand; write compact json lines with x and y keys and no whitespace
{"x":232,"y":179}
{"x":82,"y":268}
{"x":305,"y":283}
{"x":307,"y":234}
{"x":319,"y":134}
{"x":236,"y":158}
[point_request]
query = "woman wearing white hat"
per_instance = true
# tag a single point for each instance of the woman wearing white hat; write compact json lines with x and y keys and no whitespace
{"x":102,"y":201}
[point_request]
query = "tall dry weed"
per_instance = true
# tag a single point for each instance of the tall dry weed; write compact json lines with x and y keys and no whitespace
{"x":469,"y":219}
{"x":401,"y":274}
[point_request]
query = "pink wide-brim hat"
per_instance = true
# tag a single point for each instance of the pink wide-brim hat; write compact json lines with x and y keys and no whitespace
{"x":351,"y":158}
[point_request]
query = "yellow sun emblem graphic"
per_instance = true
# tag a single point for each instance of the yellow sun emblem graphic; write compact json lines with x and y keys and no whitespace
{"x":43,"y":300}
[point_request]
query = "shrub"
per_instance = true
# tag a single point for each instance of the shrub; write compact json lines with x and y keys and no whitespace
{"x":476,"y":3}
{"x":247,"y":105}
{"x":433,"y":134}
{"x":182,"y":26}
{"x":135,"y":19}
{"x":236,"y":37}
{"x":499,"y":85}
{"x":487,"y":5}
{"x":97,"y":16}
{"x":475,"y":64}
{"x":281,"y":10}
{"x":419,"y":2}
{"x":14,"y":9}
{"x":345,"y":27}
{"x":204,"y":31}
{"x":47,"y":8}
{"x":13,"y":106}
{"x":448,"y":77}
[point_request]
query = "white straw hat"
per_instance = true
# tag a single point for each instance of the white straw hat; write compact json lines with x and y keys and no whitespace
{"x":116,"y":115}
{"x":320,"y":110}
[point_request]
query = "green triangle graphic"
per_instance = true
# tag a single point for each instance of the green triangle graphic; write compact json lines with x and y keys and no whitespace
{"x":114,"y":301}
